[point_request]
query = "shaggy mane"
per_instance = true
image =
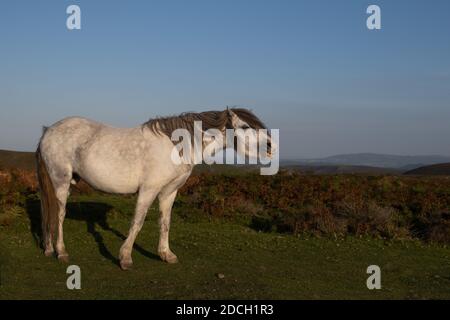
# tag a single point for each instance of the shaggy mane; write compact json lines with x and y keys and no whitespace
{"x":210,"y":120}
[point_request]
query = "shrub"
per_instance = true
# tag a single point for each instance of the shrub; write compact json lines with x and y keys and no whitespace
{"x":324,"y":205}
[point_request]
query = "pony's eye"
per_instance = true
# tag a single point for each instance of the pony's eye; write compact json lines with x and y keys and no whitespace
{"x":245,"y":127}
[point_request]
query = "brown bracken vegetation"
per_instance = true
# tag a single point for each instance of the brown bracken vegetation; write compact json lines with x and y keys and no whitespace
{"x":384,"y":206}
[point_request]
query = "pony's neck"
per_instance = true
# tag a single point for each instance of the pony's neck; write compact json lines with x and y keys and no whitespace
{"x":210,"y":146}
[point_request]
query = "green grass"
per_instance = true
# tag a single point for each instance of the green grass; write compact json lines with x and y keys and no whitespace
{"x":256,"y":265}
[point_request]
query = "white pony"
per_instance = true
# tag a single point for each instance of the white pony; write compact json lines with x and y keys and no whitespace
{"x":121,"y":161}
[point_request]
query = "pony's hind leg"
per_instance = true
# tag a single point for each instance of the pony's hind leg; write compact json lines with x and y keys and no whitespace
{"x":48,"y":245}
{"x":60,"y":247}
{"x":49,"y":250}
{"x":62,"y":185}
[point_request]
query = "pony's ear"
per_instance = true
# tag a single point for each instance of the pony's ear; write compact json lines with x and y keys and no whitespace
{"x":232,"y":118}
{"x":230,"y":112}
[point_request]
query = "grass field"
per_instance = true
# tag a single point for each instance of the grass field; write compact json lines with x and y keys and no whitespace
{"x":255,"y":265}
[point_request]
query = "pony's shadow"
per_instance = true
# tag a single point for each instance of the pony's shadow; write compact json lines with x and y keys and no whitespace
{"x":95,"y":214}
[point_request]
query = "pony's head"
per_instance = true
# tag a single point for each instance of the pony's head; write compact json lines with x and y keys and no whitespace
{"x":249,"y":133}
{"x":248,"y":130}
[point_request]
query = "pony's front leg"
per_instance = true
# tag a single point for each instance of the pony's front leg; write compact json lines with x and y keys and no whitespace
{"x":144,"y":201}
{"x":165,"y":208}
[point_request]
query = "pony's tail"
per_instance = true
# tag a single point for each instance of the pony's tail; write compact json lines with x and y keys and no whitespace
{"x":49,"y":202}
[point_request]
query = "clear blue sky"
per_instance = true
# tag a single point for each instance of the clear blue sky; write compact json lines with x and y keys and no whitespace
{"x":310,"y":68}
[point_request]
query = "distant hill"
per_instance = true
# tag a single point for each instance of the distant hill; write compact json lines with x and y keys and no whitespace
{"x":341,"y":169}
{"x":436,"y":169}
{"x":17,"y":159}
{"x":365,"y":163}
{"x":374,"y":160}
{"x":26,"y":161}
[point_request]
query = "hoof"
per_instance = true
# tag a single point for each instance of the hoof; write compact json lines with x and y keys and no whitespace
{"x":126,"y":265}
{"x":49,"y":253}
{"x":168,"y":257}
{"x":172,"y":259}
{"x":64,"y":258}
